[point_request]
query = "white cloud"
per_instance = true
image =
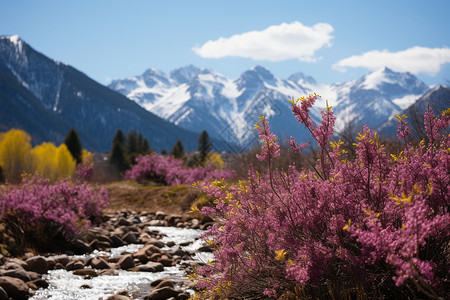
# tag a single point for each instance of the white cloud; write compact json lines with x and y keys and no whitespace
{"x":415,"y":60}
{"x":275,"y":43}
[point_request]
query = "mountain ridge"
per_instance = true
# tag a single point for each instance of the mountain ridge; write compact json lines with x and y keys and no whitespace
{"x":68,"y":97}
{"x":235,"y":104}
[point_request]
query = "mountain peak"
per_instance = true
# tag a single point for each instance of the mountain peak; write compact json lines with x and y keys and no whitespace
{"x":257,"y":74}
{"x":15,"y":40}
{"x":301,"y":78}
{"x":185,"y":74}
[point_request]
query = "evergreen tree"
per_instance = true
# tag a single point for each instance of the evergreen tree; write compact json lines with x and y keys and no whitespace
{"x":73,"y":143}
{"x":145,"y":147}
{"x":117,"y":157}
{"x":204,"y":146}
{"x":132,"y":149}
{"x":140,"y":143}
{"x":132,"y":142}
{"x":177,"y":150}
{"x":163,"y":152}
{"x":120,"y":138}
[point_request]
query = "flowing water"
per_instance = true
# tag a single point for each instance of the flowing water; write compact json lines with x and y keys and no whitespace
{"x":66,"y":286}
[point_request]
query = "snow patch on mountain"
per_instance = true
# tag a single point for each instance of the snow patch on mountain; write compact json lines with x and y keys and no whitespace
{"x":199,"y":99}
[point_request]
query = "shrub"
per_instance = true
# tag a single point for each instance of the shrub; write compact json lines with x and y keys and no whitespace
{"x":376,"y":221}
{"x":170,"y":171}
{"x":43,"y":211}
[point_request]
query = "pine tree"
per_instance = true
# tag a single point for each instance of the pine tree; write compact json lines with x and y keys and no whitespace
{"x":73,"y":143}
{"x":132,"y":147}
{"x":120,"y":138}
{"x":117,"y":157}
{"x":145,"y":147}
{"x":132,"y":142}
{"x":177,"y":150}
{"x":204,"y":146}
{"x":140,"y":143}
{"x":163,"y":152}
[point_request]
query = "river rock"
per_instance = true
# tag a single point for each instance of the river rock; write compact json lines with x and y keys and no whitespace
{"x":163,"y":293}
{"x":37,"y":264}
{"x":130,"y":238}
{"x":165,"y":261}
{"x":163,"y":283}
{"x":116,"y":240}
{"x":20,"y":273}
{"x":149,"y":267}
{"x":87,"y":273}
{"x":81,"y":247}
{"x":100,"y":263}
{"x":13,"y":262}
{"x":74,"y":265}
{"x":118,"y":297}
{"x":126,"y":262}
{"x":14,"y":287}
{"x":3,"y":294}
{"x":62,"y":259}
{"x":41,"y":283}
{"x":160,"y":215}
{"x":122,"y":222}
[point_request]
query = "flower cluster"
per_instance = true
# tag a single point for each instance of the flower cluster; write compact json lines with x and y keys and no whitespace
{"x":170,"y":171}
{"x":379,"y":218}
{"x":45,"y":210}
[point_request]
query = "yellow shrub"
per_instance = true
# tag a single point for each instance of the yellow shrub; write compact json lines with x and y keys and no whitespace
{"x":15,"y":146}
{"x":17,"y":157}
{"x":215,"y":160}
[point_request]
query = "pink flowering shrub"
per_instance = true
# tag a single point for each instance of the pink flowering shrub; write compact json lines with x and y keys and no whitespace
{"x":170,"y":171}
{"x":43,"y":210}
{"x":378,"y":221}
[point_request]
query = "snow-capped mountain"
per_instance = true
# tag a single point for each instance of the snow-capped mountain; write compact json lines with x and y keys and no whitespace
{"x":198,"y":99}
{"x":437,"y":98}
{"x":372,"y":99}
{"x":47,"y":98}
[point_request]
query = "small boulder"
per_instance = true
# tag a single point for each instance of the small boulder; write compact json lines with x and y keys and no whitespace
{"x":14,"y":287}
{"x":118,"y":297}
{"x":37,"y":264}
{"x":100,"y":263}
{"x":149,"y":267}
{"x":3,"y":294}
{"x":74,"y":265}
{"x":126,"y":262}
{"x":163,"y":293}
{"x":81,"y":247}
{"x":164,"y":283}
{"x":130,"y":238}
{"x":86,"y":273}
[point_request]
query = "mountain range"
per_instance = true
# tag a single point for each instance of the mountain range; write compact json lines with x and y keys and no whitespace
{"x":47,"y":98}
{"x":198,"y":99}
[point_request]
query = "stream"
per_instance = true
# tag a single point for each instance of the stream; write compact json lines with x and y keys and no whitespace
{"x":64,"y":285}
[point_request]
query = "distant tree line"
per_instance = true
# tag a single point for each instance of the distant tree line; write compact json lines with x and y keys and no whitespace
{"x":125,"y":150}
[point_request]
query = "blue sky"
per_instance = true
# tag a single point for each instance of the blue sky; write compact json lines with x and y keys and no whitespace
{"x":333,"y":41}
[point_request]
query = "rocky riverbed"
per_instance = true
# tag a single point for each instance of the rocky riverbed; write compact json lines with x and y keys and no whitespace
{"x":129,"y":256}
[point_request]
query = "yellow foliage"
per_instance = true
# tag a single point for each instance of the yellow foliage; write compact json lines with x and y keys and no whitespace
{"x":215,"y":160}
{"x":17,"y":157}
{"x":15,"y":146}
{"x":52,"y":162}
